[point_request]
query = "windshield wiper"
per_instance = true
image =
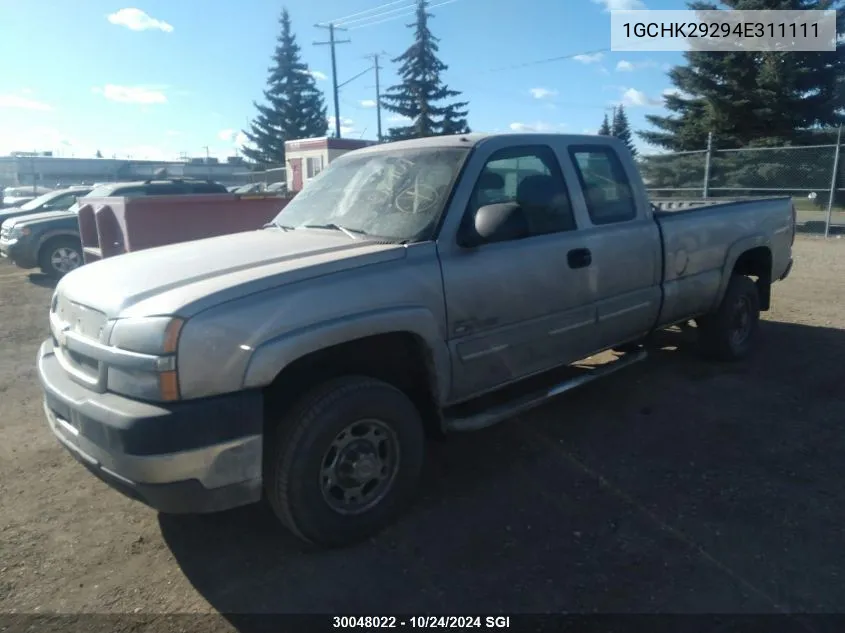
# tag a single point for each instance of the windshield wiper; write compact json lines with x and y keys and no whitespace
{"x":273,"y":225}
{"x":336,"y":227}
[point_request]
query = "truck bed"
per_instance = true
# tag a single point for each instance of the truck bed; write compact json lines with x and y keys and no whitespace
{"x":698,"y":241}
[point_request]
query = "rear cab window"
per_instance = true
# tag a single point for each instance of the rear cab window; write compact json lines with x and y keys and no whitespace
{"x":607,"y":190}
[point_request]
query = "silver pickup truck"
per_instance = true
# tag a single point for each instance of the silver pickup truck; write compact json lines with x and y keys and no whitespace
{"x":409,"y":290}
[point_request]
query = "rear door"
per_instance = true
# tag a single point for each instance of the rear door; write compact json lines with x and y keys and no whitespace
{"x":624,"y":242}
{"x":518,"y":307}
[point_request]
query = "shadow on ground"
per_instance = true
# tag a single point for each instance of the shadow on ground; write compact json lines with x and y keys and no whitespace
{"x":42,"y":280}
{"x":677,"y":485}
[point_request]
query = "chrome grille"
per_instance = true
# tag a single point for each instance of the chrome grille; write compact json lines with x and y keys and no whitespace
{"x":85,"y":322}
{"x":4,"y":232}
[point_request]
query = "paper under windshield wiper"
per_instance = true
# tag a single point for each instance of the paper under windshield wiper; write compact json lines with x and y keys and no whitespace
{"x":337,"y":227}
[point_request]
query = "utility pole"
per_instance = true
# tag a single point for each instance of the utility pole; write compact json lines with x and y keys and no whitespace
{"x":207,"y":161}
{"x":331,"y":43}
{"x":376,"y":67}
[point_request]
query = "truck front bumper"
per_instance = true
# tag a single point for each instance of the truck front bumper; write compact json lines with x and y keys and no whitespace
{"x":787,"y":271}
{"x":195,"y":456}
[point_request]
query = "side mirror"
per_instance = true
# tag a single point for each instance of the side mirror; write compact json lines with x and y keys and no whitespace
{"x":496,"y":223}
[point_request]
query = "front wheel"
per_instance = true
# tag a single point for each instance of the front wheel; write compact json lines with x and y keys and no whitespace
{"x":345,"y":461}
{"x":59,"y":256}
{"x":730,"y":332}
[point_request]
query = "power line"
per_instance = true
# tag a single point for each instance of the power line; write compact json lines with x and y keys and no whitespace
{"x":332,"y":43}
{"x":379,"y":15}
{"x":381,"y":6}
{"x":548,"y":60}
{"x":401,"y":15}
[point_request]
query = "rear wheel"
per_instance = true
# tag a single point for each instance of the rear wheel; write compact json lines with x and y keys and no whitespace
{"x":730,"y":332}
{"x":345,"y":461}
{"x":59,"y":256}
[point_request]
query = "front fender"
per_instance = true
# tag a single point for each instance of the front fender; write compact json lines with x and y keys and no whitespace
{"x":274,"y":355}
{"x":42,"y":238}
{"x":734,"y":252}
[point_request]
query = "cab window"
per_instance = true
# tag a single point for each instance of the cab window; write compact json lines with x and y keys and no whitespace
{"x":532,"y":178}
{"x":606,"y":188}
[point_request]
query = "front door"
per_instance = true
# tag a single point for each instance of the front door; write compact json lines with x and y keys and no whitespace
{"x":518,"y":307}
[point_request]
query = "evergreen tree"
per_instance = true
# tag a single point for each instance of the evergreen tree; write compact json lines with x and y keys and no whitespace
{"x":294,"y":107}
{"x":621,"y":129}
{"x":748,"y":98}
{"x":604,"y":130}
{"x":421,"y":89}
{"x":99,"y":154}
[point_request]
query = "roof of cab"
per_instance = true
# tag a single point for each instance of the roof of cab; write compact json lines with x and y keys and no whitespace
{"x":474,"y":139}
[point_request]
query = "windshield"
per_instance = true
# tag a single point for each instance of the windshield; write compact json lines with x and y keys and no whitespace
{"x":396,"y":195}
{"x":40,"y":200}
{"x":103,"y":191}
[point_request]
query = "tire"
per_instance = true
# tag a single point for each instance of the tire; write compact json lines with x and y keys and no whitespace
{"x":729,"y":333}
{"x":59,"y":256}
{"x":298,"y":477}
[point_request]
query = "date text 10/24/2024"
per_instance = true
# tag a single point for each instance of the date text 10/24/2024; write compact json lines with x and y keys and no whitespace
{"x":422,"y":622}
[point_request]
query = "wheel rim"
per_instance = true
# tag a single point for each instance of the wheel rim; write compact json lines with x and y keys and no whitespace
{"x":359,"y":467}
{"x":742,"y":321}
{"x":64,"y":259}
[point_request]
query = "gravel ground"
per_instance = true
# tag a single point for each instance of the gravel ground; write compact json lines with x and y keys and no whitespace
{"x":674,"y":486}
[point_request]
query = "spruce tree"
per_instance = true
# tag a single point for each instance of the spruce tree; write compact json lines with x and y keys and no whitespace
{"x":420,"y":93}
{"x":748,"y":98}
{"x":604,"y":130}
{"x":621,"y":129}
{"x":294,"y":107}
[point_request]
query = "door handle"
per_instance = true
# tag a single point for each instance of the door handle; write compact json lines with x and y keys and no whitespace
{"x":579,"y":258}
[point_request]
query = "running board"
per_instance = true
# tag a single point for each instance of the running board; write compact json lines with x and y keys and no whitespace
{"x":521,"y":405}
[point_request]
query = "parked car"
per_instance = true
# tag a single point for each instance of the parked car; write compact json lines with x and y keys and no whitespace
{"x":51,"y":242}
{"x":16,"y":196}
{"x":414,"y":287}
{"x":60,"y":200}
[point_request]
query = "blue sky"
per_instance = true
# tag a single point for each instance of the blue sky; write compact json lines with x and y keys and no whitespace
{"x":154,"y":78}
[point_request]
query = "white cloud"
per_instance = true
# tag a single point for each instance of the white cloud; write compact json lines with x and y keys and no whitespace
{"x":626,"y":66}
{"x":367,"y":103}
{"x":137,"y":20}
{"x":542,"y":93}
{"x":226,"y":135}
{"x":589,"y":130}
{"x":241,"y":139}
{"x":131,"y":94}
{"x":537,"y":126}
{"x":23,"y":103}
{"x":637,"y":98}
{"x":398,"y":118}
{"x":347,"y":126}
{"x":316,"y":74}
{"x":621,"y":5}
{"x":173,"y":133}
{"x":589,"y":58}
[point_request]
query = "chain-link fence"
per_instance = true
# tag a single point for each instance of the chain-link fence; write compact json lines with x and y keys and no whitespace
{"x":814,"y":175}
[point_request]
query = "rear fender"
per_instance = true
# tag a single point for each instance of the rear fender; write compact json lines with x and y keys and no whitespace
{"x":734,"y":252}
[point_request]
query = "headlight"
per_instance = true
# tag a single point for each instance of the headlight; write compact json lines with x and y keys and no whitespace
{"x":156,"y":336}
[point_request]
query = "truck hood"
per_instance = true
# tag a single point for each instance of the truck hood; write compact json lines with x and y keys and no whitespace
{"x":186,"y":278}
{"x":40,"y":216}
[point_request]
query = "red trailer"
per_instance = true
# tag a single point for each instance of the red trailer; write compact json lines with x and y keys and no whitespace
{"x":113,"y":226}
